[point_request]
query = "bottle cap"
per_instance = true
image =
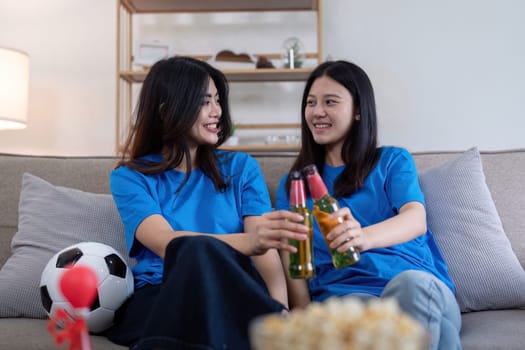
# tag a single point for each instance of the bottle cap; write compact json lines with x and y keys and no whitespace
{"x":315,"y":182}
{"x":297,"y":195}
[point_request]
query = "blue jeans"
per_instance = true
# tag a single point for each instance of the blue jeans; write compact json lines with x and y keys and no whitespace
{"x":430,"y":302}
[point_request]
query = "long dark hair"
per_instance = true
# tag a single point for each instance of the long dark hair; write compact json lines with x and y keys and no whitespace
{"x":359,"y":151}
{"x":168,"y":106}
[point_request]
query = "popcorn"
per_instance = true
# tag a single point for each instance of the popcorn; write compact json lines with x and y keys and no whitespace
{"x":340,"y":324}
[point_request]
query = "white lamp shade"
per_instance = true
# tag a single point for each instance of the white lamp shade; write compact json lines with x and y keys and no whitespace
{"x":14,"y":88}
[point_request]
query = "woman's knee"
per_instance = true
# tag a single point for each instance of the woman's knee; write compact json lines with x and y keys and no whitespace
{"x":410,"y":282}
{"x":194,"y":252}
{"x":422,"y":288}
{"x":193,"y":244}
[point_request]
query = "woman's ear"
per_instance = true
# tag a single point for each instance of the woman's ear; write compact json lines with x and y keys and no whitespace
{"x":358,"y":116}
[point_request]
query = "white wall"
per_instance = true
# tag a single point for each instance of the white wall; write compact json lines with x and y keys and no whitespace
{"x":448,"y":75}
{"x":72,"y":51}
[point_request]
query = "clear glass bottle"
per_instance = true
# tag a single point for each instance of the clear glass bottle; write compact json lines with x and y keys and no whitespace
{"x":301,"y":263}
{"x":324,"y":205}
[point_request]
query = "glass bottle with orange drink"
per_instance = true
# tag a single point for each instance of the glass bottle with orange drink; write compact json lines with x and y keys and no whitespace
{"x":301,"y":263}
{"x":324,"y":205}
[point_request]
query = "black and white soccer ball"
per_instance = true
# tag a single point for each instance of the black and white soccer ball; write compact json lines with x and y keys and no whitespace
{"x":115,"y":281}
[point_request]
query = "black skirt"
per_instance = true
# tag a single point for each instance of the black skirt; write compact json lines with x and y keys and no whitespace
{"x":209,"y":294}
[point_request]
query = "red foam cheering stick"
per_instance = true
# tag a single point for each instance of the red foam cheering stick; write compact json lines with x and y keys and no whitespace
{"x":78,"y":284}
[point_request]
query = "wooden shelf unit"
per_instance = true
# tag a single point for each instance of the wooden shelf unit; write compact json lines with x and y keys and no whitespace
{"x":126,"y":77}
{"x":170,"y":6}
{"x":239,"y":75}
{"x":251,"y":148}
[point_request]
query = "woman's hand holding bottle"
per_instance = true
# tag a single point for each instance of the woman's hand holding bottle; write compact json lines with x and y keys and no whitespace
{"x":347,"y":233}
{"x":274,"y":229}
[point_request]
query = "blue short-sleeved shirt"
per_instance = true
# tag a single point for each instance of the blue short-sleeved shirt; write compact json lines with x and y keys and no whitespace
{"x":392,"y":183}
{"x":197,"y":207}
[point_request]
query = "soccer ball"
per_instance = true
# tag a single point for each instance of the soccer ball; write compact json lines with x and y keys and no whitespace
{"x":115,"y":282}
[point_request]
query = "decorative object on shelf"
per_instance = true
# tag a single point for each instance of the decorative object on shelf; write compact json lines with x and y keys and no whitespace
{"x":230,"y":59}
{"x":149,"y":52}
{"x":230,"y":56}
{"x":14,"y":88}
{"x":282,"y":140}
{"x":263,"y":62}
{"x":293,"y":53}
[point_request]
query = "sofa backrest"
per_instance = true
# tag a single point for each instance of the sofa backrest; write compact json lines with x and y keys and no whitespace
{"x":503,"y":170}
{"x":89,"y":174}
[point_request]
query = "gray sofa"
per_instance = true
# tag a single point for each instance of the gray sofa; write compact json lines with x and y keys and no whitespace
{"x":500,"y":325}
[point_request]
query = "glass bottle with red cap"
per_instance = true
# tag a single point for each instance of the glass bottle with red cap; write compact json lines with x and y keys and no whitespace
{"x":301,"y":263}
{"x":324,"y":205}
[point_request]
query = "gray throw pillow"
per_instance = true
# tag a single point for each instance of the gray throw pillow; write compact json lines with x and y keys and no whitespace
{"x":469,"y":232}
{"x":52,"y":218}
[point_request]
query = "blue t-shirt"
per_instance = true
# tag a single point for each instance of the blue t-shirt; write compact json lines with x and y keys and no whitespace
{"x":392,"y":183}
{"x":197,"y":207}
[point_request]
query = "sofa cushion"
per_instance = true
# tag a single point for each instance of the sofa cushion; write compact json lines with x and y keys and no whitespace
{"x":468,"y":230}
{"x":493,"y":329}
{"x":50,"y":219}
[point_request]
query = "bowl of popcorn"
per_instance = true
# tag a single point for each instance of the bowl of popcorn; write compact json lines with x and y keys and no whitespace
{"x":340,"y":324}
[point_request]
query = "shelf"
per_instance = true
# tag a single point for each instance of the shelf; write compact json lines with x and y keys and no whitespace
{"x":268,"y":126}
{"x":239,"y":75}
{"x":263,"y":147}
{"x":159,"y":6}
